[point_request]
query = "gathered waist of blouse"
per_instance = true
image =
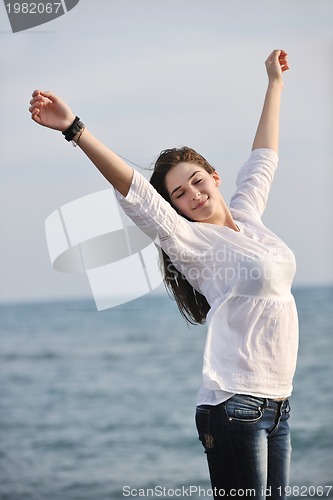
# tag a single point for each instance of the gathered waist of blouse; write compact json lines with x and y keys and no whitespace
{"x":269,"y":298}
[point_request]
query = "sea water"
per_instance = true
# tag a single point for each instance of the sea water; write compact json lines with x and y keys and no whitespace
{"x":100,"y":405}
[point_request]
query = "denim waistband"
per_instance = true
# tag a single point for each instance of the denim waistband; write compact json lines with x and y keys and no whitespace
{"x":276,"y":403}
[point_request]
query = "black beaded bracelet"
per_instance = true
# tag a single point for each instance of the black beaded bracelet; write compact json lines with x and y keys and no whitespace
{"x":73,"y":129}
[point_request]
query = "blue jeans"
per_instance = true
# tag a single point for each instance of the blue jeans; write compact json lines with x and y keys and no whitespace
{"x":247,"y":442}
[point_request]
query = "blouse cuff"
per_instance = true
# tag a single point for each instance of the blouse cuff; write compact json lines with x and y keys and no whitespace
{"x":133,"y":195}
{"x":266,"y":152}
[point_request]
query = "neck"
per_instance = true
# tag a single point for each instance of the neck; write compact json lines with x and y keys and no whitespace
{"x":226,"y":218}
{"x":231,"y":224}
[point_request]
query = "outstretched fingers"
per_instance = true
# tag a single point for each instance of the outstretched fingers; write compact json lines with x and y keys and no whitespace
{"x":35,"y":108}
{"x":36,"y":103}
{"x":35,"y":115}
{"x":40,"y":98}
{"x":277,"y":63}
{"x":283,"y":60}
{"x":44,"y":93}
{"x":50,"y":111}
{"x":43,"y":97}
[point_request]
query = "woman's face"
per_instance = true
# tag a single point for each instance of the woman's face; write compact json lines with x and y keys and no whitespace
{"x":194,"y":193}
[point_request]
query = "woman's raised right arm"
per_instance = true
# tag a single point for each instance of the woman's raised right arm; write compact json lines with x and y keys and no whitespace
{"x":50,"y":111}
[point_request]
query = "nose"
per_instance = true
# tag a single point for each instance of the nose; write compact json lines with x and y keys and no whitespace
{"x":195,"y":193}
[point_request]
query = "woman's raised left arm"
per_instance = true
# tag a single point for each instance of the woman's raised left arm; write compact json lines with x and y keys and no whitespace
{"x":267,"y":134}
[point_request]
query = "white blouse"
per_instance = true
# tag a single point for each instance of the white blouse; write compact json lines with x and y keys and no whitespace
{"x":246,"y":277}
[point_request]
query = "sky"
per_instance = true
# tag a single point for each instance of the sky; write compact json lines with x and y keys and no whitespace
{"x":145,"y":75}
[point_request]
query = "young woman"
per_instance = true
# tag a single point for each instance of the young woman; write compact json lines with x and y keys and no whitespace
{"x":223,"y":265}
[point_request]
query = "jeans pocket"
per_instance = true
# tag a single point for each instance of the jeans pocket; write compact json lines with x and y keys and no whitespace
{"x":244,"y":409}
{"x":202,"y":420}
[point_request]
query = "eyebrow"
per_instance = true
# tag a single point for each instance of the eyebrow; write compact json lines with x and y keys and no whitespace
{"x":179,"y":187}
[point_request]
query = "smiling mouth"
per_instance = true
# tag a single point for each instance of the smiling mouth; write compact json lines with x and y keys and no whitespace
{"x":200,"y":204}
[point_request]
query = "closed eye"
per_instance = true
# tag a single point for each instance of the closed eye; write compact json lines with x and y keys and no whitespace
{"x":179,"y":187}
{"x":182,"y":192}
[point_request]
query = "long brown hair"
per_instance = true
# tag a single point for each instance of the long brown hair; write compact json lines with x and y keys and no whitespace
{"x":192,"y":304}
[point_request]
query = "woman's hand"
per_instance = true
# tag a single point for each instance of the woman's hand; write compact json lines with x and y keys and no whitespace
{"x":50,"y":111}
{"x":276,"y":65}
{"x":267,"y":135}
